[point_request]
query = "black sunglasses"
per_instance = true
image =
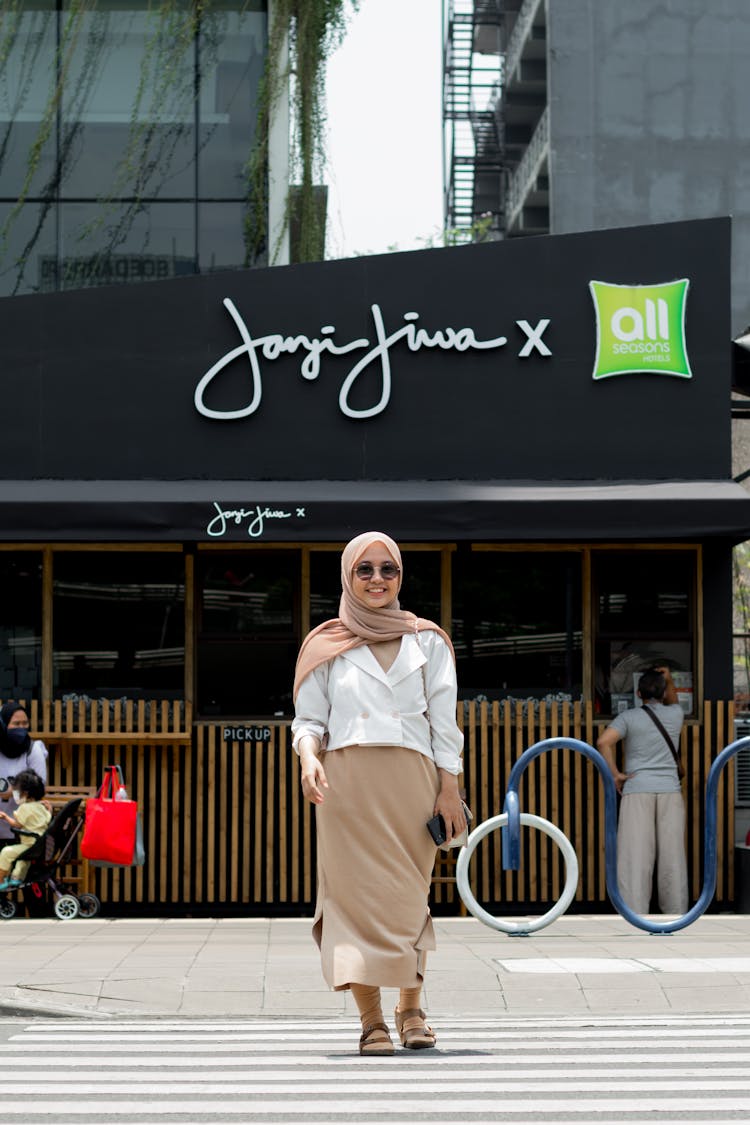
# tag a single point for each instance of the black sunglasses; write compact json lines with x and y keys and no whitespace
{"x":388,"y":571}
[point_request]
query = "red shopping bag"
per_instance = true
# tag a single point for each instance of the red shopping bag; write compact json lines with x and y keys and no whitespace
{"x":110,"y":825}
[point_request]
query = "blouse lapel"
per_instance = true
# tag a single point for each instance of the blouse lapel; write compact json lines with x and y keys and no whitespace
{"x":410,"y":657}
{"x":363,"y":658}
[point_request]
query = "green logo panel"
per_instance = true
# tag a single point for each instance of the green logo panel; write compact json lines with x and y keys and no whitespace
{"x":640,"y":328}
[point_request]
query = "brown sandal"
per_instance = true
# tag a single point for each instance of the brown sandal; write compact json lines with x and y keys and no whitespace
{"x":370,"y":1044}
{"x":413,"y":1032}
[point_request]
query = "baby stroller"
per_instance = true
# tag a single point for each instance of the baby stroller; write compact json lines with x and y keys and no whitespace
{"x":51,"y":850}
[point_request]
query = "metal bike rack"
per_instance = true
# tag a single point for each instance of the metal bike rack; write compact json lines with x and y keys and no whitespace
{"x":512,"y":819}
{"x":524,"y":927}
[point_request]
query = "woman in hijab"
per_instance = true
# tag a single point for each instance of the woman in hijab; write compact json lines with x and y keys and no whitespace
{"x":17,"y":752}
{"x":379,"y":748}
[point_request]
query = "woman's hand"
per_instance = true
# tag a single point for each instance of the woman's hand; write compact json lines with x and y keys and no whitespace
{"x":312,"y":772}
{"x":450,"y":806}
{"x":620,"y":779}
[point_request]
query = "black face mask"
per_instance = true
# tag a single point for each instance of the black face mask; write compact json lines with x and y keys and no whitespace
{"x":16,"y":742}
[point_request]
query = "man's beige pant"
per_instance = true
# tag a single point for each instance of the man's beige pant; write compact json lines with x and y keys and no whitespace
{"x":651,"y":831}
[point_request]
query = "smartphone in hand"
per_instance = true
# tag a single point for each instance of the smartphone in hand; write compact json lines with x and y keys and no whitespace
{"x":436,"y":826}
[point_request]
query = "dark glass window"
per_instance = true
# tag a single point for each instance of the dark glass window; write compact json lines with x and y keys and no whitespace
{"x":420,"y":589}
{"x":248,"y":632}
{"x":233,"y":47}
{"x":21,"y":625}
{"x":148,"y":135}
{"x":644,"y":603}
{"x":29,"y":43}
{"x":219,"y":247}
{"x":31,"y":238}
{"x":517,"y":624}
{"x":127,"y":120}
{"x":119,"y":624}
{"x":325,"y":586}
{"x":139,"y":242}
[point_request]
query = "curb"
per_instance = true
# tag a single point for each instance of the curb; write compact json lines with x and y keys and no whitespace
{"x":12,"y":1009}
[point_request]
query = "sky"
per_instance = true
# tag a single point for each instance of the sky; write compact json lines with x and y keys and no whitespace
{"x":384,"y":104}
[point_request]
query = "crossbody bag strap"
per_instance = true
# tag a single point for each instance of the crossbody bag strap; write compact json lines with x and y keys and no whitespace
{"x":422,"y":666}
{"x":467,"y":810}
{"x":660,"y":725}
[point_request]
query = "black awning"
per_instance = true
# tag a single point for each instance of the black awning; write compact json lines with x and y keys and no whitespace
{"x":321,"y":511}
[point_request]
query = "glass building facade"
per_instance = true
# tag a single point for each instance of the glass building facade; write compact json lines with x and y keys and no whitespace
{"x":125,"y":132}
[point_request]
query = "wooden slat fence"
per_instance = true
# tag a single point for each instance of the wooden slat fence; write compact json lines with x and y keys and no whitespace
{"x":136,"y":719}
{"x":227,"y":830}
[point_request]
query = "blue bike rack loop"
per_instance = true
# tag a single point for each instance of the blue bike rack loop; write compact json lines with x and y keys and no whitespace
{"x":511,"y":833}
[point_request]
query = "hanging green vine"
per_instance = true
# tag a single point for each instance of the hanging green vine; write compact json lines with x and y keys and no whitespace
{"x":312,"y":29}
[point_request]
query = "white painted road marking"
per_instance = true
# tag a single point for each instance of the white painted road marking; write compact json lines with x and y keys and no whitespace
{"x":545,"y":1071}
{"x":547,"y":965}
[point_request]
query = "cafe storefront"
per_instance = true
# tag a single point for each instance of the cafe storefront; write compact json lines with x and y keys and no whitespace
{"x":544,"y":426}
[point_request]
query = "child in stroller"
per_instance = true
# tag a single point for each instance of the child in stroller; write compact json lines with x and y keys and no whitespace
{"x":50,"y":850}
{"x":29,"y":821}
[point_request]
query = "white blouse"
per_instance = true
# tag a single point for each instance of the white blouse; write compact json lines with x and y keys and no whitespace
{"x":359,"y":704}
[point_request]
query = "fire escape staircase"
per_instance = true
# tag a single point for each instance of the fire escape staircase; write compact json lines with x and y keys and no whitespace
{"x":471,"y":125}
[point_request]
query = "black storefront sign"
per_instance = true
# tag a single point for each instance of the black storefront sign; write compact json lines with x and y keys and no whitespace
{"x":268,"y":404}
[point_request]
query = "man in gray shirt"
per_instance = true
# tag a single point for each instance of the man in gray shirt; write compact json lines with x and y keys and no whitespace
{"x":651,"y":827}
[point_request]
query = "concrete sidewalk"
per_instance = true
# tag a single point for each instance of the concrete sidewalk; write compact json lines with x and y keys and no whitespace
{"x":270,"y":967}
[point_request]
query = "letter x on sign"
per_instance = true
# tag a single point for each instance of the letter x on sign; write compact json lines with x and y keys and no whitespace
{"x":534,"y":338}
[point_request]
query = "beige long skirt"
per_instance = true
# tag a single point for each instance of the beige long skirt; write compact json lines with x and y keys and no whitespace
{"x":375,"y":860}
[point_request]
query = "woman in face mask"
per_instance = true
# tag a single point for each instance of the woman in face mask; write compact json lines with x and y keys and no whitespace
{"x":17,"y":752}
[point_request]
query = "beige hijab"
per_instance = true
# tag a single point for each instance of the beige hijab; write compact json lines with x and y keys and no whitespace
{"x":357,"y":624}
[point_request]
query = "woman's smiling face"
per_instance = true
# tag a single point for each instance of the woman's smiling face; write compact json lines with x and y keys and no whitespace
{"x":372,"y":588}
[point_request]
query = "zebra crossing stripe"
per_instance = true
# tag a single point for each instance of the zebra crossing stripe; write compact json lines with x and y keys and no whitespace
{"x":299,"y":1033}
{"x":592,"y":1071}
{"x":700,"y":1061}
{"x":440,"y":1070}
{"x":535,"y":1085}
{"x":516,"y":1119}
{"x":336,"y":1025}
{"x":354,"y":1108}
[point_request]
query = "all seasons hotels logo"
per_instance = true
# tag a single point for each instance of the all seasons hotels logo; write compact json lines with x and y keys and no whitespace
{"x":640,"y":328}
